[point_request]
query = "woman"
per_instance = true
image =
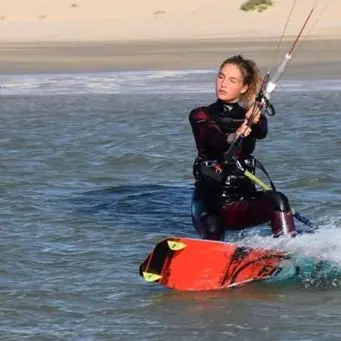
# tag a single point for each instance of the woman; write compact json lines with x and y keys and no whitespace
{"x":223,"y":197}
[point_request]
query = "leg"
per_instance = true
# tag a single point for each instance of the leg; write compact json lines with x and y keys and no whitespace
{"x":242,"y":214}
{"x":282,"y":218}
{"x":269,"y":206}
{"x":206,"y":224}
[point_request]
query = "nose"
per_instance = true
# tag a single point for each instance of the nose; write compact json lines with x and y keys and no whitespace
{"x":224,"y":83}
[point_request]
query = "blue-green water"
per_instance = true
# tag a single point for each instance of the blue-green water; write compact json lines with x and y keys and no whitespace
{"x":96,"y":168}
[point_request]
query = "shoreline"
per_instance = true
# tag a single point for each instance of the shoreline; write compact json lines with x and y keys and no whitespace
{"x":44,"y":36}
{"x":313,"y":58}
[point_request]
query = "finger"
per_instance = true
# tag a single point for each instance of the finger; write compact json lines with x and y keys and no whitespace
{"x":250,"y":112}
{"x":247,"y":132}
{"x":257,"y":117}
{"x":256,"y":112}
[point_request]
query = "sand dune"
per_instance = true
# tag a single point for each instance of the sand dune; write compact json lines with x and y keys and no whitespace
{"x":105,"y":20}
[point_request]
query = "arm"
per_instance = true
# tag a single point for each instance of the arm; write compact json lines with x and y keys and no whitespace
{"x":206,"y":132}
{"x":260,"y":129}
{"x":259,"y":123}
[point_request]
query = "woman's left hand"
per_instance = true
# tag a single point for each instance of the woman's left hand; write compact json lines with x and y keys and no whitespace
{"x":253,"y":114}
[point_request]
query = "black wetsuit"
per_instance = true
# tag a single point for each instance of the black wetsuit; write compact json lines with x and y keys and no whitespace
{"x":224,"y":198}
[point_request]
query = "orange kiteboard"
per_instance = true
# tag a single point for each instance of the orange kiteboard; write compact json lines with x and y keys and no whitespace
{"x":196,"y":264}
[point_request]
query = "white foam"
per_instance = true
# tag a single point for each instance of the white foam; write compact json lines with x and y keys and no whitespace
{"x":324,"y":244}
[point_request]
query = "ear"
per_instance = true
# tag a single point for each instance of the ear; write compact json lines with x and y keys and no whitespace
{"x":244,"y":89}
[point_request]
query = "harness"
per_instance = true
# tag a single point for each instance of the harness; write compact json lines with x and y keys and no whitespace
{"x":227,"y":175}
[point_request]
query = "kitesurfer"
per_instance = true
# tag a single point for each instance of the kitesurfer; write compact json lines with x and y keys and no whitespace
{"x":224,"y":198}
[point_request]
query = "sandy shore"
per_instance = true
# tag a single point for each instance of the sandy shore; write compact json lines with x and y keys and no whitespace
{"x":314,"y":58}
{"x":106,"y":35}
{"x":116,"y":20}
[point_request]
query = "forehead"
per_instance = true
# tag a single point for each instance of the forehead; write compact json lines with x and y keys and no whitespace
{"x":231,"y":70}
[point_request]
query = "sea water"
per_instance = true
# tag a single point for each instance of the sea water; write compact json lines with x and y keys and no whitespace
{"x":96,"y":168}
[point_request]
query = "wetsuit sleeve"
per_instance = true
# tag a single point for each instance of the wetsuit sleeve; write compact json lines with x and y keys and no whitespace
{"x":260,"y":130}
{"x":206,"y":132}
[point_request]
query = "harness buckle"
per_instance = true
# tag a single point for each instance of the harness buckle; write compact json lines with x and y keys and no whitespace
{"x":217,"y":168}
{"x":250,"y":162}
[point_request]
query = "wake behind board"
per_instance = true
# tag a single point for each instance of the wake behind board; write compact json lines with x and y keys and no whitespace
{"x":196,"y":264}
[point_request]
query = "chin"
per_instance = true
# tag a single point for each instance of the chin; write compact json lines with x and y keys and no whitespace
{"x":226,"y":99}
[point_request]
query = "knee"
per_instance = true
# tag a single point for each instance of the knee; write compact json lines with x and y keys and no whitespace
{"x":278,"y":201}
{"x":205,"y":224}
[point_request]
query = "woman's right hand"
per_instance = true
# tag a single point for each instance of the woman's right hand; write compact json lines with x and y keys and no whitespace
{"x":244,"y":130}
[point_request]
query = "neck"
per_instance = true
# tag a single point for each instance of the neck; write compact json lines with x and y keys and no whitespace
{"x":228,"y":102}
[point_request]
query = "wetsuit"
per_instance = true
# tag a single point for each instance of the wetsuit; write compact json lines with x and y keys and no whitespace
{"x":223,"y":197}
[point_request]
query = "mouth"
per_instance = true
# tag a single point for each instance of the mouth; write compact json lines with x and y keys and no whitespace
{"x":222,"y":92}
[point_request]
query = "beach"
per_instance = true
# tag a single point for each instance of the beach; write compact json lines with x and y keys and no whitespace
{"x":80,"y":36}
{"x":319,"y":58}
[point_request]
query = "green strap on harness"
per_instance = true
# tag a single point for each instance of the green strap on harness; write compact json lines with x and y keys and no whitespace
{"x":252,"y":177}
{"x":256,"y":180}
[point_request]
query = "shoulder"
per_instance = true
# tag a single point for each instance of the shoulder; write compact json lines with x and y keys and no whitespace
{"x":203,"y":112}
{"x":199,"y":113}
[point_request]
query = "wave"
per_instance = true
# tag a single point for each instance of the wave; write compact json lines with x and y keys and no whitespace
{"x":317,"y":256}
{"x":135,"y":82}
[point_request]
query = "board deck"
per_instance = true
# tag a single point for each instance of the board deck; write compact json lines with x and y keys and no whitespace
{"x":196,"y":264}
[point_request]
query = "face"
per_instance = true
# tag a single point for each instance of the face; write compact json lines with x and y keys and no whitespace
{"x":230,"y":84}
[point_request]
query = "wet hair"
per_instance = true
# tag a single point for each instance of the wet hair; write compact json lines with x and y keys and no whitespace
{"x":251,"y":77}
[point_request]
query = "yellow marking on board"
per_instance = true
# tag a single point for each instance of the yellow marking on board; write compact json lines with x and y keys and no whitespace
{"x":175,"y":246}
{"x":149,"y":277}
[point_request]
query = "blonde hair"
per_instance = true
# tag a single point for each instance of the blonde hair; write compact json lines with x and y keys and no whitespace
{"x":251,"y":77}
